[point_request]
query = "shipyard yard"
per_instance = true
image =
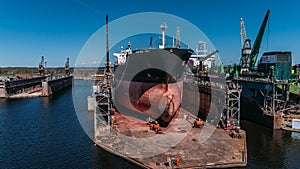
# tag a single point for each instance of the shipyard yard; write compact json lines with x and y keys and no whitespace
{"x":182,"y":88}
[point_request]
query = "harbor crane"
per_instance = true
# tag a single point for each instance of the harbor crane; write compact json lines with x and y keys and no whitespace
{"x":208,"y":56}
{"x":201,"y":60}
{"x":199,"y":66}
{"x":67,"y":67}
{"x":243,"y":32}
{"x":249,"y":53}
{"x":41,"y":67}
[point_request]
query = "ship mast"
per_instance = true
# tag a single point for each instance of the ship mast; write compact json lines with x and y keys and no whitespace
{"x":107,"y":71}
{"x":173,"y":43}
{"x":107,"y":64}
{"x":177,"y":37}
{"x":163,"y":27}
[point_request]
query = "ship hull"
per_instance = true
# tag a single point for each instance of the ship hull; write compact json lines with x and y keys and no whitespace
{"x":144,"y":100}
{"x":150,"y":83}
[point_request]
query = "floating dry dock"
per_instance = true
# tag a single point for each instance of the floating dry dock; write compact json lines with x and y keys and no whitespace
{"x":132,"y":139}
{"x":268,"y":103}
{"x":174,"y":138}
{"x":52,"y":86}
{"x":33,"y":87}
{"x":220,"y":150}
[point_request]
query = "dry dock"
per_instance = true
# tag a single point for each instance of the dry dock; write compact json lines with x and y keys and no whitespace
{"x":19,"y":87}
{"x":196,"y":149}
{"x":33,"y":87}
{"x":50,"y":87}
{"x":268,"y":103}
{"x":206,"y":146}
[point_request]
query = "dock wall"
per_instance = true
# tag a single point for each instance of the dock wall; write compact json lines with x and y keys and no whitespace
{"x":9,"y":88}
{"x":260,"y":102}
{"x":52,"y":86}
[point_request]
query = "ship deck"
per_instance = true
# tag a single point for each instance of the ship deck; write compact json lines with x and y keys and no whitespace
{"x":196,"y":149}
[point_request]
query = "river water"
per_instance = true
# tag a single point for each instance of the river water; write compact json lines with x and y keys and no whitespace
{"x":46,"y":133}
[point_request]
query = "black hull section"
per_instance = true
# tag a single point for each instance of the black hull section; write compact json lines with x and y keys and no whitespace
{"x":154,"y":65}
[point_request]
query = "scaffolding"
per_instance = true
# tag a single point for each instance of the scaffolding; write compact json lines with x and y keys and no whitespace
{"x":231,"y":116}
{"x":277,"y":103}
{"x":102,"y":110}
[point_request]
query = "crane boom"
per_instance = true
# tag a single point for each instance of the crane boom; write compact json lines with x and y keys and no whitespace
{"x":249,"y":54}
{"x":209,"y":55}
{"x":256,"y":46}
{"x":243,"y":32}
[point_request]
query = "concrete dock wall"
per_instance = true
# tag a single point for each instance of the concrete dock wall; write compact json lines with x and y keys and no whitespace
{"x":52,"y":86}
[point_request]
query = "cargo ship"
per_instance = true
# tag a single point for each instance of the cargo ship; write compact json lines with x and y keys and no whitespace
{"x":138,"y":114}
{"x":148,"y":83}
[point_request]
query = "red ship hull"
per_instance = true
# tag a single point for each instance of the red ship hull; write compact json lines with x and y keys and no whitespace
{"x":158,"y":101}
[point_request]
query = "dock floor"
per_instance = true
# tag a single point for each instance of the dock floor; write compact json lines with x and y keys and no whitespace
{"x":205,"y":147}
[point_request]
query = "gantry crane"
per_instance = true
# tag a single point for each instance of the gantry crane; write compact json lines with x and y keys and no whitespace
{"x":249,"y":54}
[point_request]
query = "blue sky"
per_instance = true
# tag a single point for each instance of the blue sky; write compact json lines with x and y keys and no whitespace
{"x":59,"y":29}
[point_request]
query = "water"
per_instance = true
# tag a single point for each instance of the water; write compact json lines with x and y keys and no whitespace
{"x":45,"y":133}
{"x":271,"y":149}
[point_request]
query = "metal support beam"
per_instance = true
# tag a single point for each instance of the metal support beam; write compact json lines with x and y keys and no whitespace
{"x":232,"y":105}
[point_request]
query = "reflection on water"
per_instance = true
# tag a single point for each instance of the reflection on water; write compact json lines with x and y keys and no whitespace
{"x":268,"y":148}
{"x":46,"y":100}
{"x":295,"y":135}
{"x":45,"y":132}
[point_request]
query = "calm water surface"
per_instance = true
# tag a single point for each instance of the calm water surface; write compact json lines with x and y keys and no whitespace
{"x":45,"y":133}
